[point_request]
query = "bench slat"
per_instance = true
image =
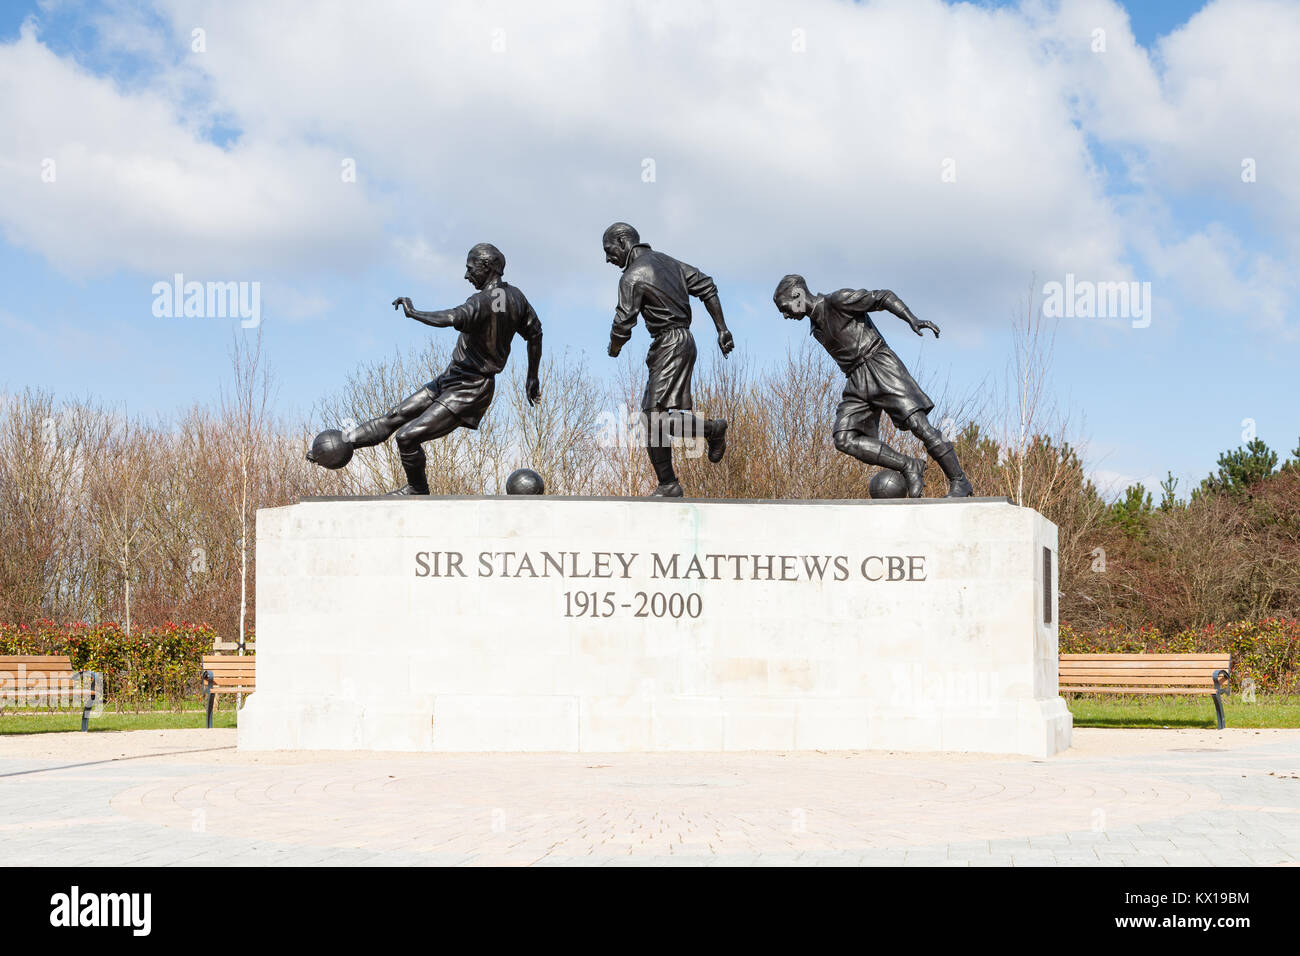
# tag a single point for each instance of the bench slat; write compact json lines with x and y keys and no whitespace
{"x":1138,"y":677}
{"x":46,"y":680}
{"x":1196,"y":666}
{"x":1149,"y":657}
{"x":1136,"y":690}
{"x":32,"y":662}
{"x":1147,"y":665}
{"x":1155,"y":674}
{"x":1161,"y":681}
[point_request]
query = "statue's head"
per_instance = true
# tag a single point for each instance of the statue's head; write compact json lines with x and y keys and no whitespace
{"x":792,"y":297}
{"x":618,"y":242}
{"x":483,"y":263}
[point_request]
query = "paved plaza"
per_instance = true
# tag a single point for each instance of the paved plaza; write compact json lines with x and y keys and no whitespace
{"x":1117,"y":798}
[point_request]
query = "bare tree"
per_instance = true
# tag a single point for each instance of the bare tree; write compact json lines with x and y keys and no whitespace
{"x":246,"y":411}
{"x":1033,"y":340}
{"x":123,"y":497}
{"x":40,"y":465}
{"x":559,"y":437}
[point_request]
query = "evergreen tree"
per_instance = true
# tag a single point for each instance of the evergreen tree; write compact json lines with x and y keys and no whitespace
{"x":1132,"y":511}
{"x":1241,"y":468}
{"x":1168,"y":492}
{"x":1293,"y":462}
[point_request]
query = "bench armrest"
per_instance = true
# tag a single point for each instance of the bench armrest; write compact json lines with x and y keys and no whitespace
{"x":1221,"y":688}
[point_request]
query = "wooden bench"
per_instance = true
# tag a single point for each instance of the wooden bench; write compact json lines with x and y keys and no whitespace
{"x":227,"y":674}
{"x":45,"y":680}
{"x":1147,"y":674}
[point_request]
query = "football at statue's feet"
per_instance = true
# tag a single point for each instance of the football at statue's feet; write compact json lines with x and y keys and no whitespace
{"x":525,"y":481}
{"x":888,"y":483}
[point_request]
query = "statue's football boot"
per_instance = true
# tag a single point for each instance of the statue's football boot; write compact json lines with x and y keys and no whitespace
{"x":718,"y":440}
{"x":959,"y":487}
{"x":417,"y":481}
{"x":404,"y":491}
{"x":914,"y":472}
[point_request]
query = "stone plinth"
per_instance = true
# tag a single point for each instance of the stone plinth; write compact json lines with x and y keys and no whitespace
{"x":607,"y":624}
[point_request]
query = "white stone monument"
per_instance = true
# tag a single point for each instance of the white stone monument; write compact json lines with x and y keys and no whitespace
{"x":610,"y":624}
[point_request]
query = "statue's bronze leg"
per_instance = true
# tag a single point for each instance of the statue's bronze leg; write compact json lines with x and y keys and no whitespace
{"x":942,"y":452}
{"x":436,"y":421}
{"x":378,"y":430}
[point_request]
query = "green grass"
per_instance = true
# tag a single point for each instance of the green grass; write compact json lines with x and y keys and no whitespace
{"x":1088,"y":711}
{"x":1190,"y":711}
{"x":61,"y":721}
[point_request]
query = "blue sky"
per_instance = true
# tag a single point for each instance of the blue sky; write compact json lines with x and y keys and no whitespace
{"x":784,"y":137}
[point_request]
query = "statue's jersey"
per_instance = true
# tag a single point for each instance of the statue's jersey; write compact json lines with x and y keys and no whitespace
{"x":877,"y":380}
{"x":658,"y":288}
{"x":488,"y":321}
{"x":841,"y":324}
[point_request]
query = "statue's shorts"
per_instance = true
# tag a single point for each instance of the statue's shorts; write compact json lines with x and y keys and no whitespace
{"x":465,"y":394}
{"x":879,"y":383}
{"x":671,"y":360}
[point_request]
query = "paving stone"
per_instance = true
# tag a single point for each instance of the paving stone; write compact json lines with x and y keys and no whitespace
{"x":75,"y":798}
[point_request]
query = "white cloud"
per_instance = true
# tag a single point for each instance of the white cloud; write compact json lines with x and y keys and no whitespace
{"x":767,"y":160}
{"x":1213,"y":268}
{"x":135,"y":187}
{"x":1214,"y":94}
{"x":1112,"y":484}
{"x":1231,"y":75}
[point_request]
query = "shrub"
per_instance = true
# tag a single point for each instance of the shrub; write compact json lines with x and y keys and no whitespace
{"x":152,"y":664}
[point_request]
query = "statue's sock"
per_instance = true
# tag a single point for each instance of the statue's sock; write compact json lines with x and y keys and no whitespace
{"x":946,"y":456}
{"x":688,"y":425}
{"x":873,"y":451}
{"x":367,"y":433}
{"x":413,"y":462}
{"x":661,"y":458}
